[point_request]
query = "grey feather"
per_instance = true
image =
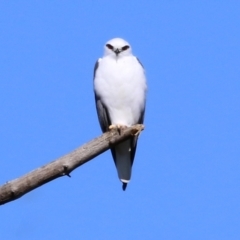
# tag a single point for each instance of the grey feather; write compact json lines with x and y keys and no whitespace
{"x":102,"y":111}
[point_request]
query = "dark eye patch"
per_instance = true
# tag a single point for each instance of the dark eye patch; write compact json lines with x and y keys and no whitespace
{"x":125,"y":48}
{"x":109,"y":46}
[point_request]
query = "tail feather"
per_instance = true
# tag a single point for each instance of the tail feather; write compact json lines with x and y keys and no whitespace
{"x":124,"y":186}
{"x":123,"y":161}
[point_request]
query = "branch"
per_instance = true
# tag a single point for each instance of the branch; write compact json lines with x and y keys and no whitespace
{"x":63,"y":166}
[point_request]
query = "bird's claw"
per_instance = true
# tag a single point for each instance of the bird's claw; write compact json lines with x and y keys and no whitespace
{"x":111,"y":127}
{"x":118,"y":127}
{"x":139,"y":131}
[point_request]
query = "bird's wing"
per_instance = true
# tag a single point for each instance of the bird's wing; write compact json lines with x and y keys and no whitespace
{"x":102,"y":111}
{"x":135,"y":138}
{"x":139,"y":62}
{"x":140,"y":121}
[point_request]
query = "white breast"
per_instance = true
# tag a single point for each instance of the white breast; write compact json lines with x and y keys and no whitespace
{"x":121,"y":85}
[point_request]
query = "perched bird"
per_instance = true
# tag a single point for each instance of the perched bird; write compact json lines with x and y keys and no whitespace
{"x":120,"y":96}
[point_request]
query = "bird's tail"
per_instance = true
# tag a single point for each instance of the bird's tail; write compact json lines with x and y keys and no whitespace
{"x":124,"y":186}
{"x":123,"y":162}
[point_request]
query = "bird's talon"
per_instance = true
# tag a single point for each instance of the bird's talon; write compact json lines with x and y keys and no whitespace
{"x":118,"y":127}
{"x":137,"y":133}
{"x":111,"y":127}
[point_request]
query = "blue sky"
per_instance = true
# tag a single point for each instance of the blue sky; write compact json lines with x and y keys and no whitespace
{"x":186,"y":176}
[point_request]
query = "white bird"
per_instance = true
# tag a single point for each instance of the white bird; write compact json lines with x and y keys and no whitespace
{"x":120,"y":95}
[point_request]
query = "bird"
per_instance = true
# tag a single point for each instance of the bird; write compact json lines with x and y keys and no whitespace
{"x":120,"y":88}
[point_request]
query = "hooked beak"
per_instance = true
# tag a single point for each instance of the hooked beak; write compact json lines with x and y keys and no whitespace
{"x":117,"y":51}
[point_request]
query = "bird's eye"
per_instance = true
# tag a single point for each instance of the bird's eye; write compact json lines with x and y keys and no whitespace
{"x":125,"y":48}
{"x":109,"y":46}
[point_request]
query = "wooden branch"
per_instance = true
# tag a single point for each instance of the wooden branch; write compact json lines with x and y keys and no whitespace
{"x":64,"y":165}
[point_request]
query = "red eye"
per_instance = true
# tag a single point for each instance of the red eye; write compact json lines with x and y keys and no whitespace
{"x":125,"y":48}
{"x":109,"y":46}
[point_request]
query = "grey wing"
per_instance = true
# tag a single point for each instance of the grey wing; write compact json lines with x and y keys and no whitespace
{"x":140,"y":62}
{"x":140,"y":121}
{"x":102,"y":111}
{"x":135,"y":138}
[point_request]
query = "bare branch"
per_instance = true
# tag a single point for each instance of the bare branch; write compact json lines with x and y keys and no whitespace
{"x":64,"y":165}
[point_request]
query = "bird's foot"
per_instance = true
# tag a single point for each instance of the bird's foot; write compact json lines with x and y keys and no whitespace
{"x":119,"y":128}
{"x":111,"y":127}
{"x":139,"y":131}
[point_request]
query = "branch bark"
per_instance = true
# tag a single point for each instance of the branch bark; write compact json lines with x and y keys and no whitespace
{"x":63,"y":166}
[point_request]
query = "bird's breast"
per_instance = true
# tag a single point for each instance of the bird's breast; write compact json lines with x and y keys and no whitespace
{"x":121,"y":86}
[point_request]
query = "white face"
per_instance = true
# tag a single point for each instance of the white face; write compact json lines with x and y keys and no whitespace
{"x":117,"y":47}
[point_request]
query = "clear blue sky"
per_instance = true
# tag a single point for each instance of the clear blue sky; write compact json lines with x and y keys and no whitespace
{"x":186,"y":176}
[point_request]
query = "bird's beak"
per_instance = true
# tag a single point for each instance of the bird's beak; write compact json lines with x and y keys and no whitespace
{"x":117,"y":51}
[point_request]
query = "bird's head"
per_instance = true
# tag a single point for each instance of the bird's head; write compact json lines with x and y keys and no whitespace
{"x":117,"y":47}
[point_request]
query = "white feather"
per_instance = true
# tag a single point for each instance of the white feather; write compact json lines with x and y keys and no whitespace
{"x":121,"y":84}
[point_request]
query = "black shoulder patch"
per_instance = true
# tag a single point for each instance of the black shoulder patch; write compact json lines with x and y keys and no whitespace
{"x":95,"y":68}
{"x":140,"y":62}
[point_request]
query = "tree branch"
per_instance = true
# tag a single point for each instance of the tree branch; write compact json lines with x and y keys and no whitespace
{"x":64,"y":165}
